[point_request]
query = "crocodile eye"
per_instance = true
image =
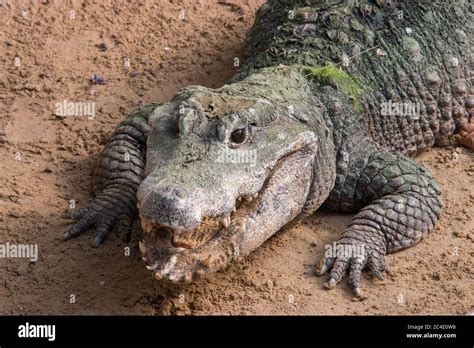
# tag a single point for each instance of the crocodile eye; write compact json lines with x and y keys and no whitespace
{"x":239,"y":136}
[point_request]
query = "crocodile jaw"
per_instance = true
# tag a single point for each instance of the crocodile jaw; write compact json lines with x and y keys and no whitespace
{"x":191,"y":255}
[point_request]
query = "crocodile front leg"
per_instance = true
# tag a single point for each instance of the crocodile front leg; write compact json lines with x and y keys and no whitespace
{"x":400,"y":204}
{"x":119,"y":172}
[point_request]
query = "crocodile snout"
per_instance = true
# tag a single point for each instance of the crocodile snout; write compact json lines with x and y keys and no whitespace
{"x":167,"y":207}
{"x":179,"y":214}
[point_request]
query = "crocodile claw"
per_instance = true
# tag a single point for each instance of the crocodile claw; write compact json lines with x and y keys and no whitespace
{"x":104,"y":217}
{"x":338,"y":266}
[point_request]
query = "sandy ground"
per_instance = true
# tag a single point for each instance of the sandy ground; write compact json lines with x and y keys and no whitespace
{"x":48,"y":53}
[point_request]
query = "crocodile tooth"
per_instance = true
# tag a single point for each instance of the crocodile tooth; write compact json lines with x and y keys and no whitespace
{"x":184,"y":239}
{"x":187,"y":277}
{"x":255,"y":195}
{"x":225,"y":221}
{"x":149,"y":268}
{"x":249,"y":198}
{"x":147,"y":226}
{"x":242,"y":225}
{"x":234,"y":209}
{"x":142,"y":247}
{"x":158,"y":276}
{"x":207,"y":261}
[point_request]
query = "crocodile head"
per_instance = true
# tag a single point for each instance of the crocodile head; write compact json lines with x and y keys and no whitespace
{"x":225,"y":170}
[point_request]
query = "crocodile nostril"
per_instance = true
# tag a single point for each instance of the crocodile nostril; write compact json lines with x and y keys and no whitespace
{"x":178,"y":193}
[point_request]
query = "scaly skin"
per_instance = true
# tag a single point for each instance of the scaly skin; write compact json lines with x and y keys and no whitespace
{"x":200,"y":211}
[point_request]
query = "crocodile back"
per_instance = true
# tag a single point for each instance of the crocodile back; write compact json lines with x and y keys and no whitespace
{"x":413,"y":60}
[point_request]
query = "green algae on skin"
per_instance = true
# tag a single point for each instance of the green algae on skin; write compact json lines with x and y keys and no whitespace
{"x":348,"y":84}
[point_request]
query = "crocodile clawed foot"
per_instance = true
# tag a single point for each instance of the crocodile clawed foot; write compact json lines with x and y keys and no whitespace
{"x":354,"y":263}
{"x":107,"y":214}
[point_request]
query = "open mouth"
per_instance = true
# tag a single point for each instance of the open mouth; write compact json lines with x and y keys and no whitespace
{"x":182,"y":256}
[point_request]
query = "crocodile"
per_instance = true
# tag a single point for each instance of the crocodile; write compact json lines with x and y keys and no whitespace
{"x":328,"y":108}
